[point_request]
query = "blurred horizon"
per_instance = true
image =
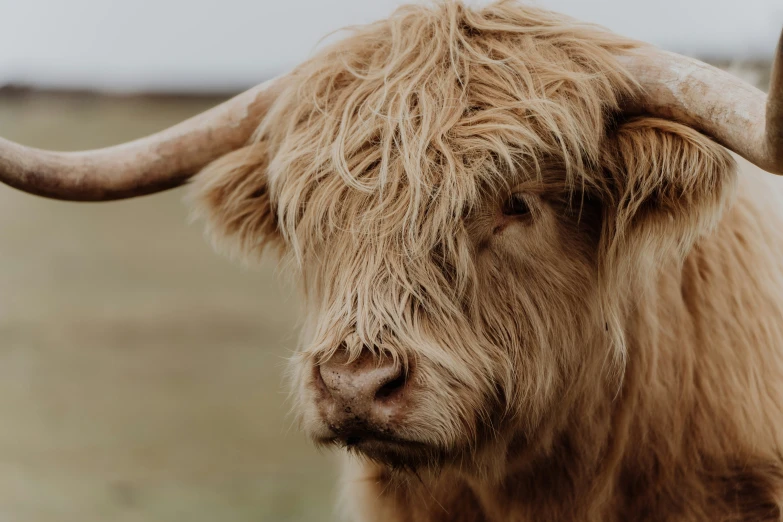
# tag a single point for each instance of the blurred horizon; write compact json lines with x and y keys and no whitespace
{"x":223,"y":46}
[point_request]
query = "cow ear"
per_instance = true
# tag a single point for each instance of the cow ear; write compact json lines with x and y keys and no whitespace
{"x":232,"y":196}
{"x":667,"y":186}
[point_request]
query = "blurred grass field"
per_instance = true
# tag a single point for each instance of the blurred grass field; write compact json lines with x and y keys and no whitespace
{"x":141,"y":374}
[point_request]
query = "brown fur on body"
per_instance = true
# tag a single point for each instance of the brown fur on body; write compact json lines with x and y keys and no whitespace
{"x":693,"y":435}
{"x":614,"y":354}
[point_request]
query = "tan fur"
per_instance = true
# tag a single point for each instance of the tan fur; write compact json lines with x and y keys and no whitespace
{"x":613,"y":356}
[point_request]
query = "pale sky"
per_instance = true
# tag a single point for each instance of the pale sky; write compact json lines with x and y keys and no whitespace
{"x":229,"y":44}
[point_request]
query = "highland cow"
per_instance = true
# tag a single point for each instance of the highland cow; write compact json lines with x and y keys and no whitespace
{"x":536,"y":287}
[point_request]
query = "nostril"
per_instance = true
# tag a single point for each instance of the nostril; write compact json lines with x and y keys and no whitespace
{"x":391,"y":389}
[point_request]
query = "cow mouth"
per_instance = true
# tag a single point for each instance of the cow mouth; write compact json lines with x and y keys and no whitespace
{"x":390,"y":451}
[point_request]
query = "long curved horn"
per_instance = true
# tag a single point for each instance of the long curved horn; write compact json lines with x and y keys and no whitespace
{"x":152,"y":164}
{"x":735,"y":114}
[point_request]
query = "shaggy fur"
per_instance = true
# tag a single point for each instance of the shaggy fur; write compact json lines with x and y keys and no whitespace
{"x":613,"y":355}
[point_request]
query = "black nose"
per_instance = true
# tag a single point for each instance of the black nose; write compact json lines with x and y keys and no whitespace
{"x":363,"y":395}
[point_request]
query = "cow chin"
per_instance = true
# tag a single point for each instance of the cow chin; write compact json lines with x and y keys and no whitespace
{"x":404,"y":449}
{"x":395,"y":453}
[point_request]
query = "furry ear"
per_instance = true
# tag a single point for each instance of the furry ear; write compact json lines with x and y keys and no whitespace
{"x":232,"y":196}
{"x":667,"y":186}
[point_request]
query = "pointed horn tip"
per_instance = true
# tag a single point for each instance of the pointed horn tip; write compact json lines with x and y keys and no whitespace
{"x":776,"y":81}
{"x":774,"y":130}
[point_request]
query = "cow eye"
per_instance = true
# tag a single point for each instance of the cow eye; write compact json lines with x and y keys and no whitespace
{"x":516,"y":206}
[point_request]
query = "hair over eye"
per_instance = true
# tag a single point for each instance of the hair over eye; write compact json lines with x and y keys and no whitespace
{"x":516,"y":206}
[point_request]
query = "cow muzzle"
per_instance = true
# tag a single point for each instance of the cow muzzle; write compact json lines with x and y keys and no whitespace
{"x":363,"y":402}
{"x":360,"y":397}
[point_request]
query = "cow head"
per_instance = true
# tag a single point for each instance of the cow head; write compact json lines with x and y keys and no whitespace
{"x":470,"y":199}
